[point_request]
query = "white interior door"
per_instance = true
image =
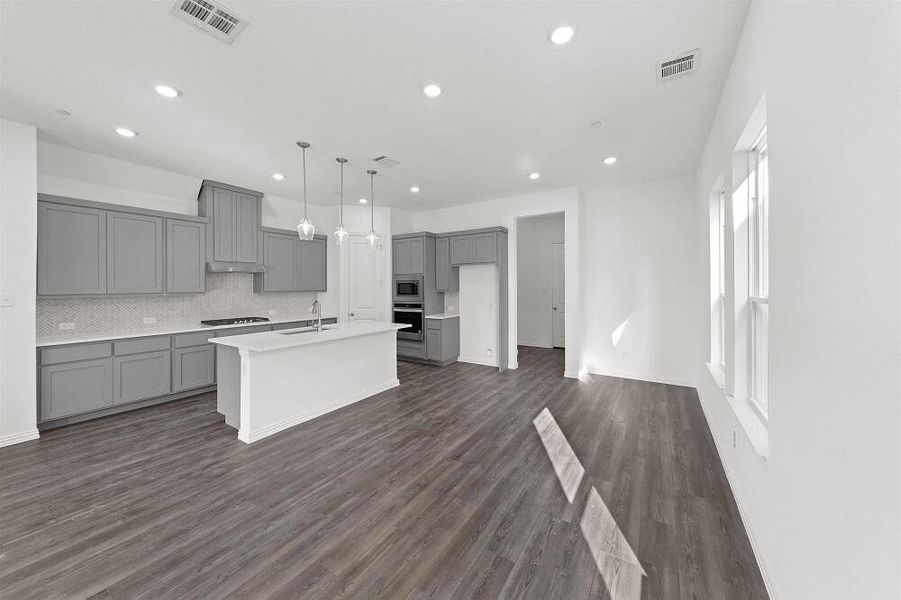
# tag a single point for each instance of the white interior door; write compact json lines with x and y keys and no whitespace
{"x":364,"y":281}
{"x":558,"y":301}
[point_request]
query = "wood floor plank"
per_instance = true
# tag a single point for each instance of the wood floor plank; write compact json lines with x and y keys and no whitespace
{"x":440,"y":488}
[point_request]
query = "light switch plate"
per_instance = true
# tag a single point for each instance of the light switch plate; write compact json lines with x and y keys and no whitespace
{"x":66,"y":326}
{"x":273,"y":312}
{"x":149,"y":320}
{"x":7,"y":299}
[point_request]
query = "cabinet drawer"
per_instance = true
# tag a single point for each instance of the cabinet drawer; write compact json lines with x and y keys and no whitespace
{"x":433,"y":324}
{"x":141,"y":376}
{"x":52,"y":356}
{"x":292,"y":325}
{"x":243,"y":330}
{"x":76,"y":387}
{"x":149,"y":344}
{"x":197,"y":338}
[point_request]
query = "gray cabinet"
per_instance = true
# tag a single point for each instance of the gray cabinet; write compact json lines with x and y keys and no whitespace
{"x":140,"y":376}
{"x":71,"y":250}
{"x":282,"y":257}
{"x":185,"y":252}
{"x":442,"y":340}
{"x":409,"y":256}
{"x":75,"y":387}
{"x":311,"y":276}
{"x":292,"y":265}
{"x":193,"y":367}
{"x":235,"y":216}
{"x":134,"y":251}
{"x":473,"y":248}
{"x":447,"y":279}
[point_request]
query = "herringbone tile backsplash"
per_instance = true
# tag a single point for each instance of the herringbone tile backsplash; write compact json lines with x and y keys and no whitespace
{"x":227,"y":295}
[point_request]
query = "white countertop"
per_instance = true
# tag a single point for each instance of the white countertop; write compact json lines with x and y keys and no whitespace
{"x":443,"y":316}
{"x":59,"y":340}
{"x":277,"y":340}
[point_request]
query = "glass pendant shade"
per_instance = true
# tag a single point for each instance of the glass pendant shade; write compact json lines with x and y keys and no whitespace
{"x":340,"y":235}
{"x":372,"y":238}
{"x":305,"y":228}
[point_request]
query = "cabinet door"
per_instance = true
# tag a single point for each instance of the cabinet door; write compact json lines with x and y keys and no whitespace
{"x":433,"y":344}
{"x":185,"y":256}
{"x":280,"y":257}
{"x":401,"y":257}
{"x":417,"y":256}
{"x":192,"y":367}
{"x":460,"y":249}
{"x":134,"y":257}
{"x":225,"y":223}
{"x":140,"y":376}
{"x":71,"y":250}
{"x":312,"y":275}
{"x":484,"y":247}
{"x":444,"y":275}
{"x":76,"y":387}
{"x":247,"y":228}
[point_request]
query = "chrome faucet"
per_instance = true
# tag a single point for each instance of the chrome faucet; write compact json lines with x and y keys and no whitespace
{"x":316,"y":309}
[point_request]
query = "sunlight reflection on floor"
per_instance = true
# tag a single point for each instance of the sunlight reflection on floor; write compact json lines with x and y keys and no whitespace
{"x":615,"y":560}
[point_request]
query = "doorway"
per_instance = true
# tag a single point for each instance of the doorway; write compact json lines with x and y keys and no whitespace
{"x":540,"y":281}
{"x":361,"y":266}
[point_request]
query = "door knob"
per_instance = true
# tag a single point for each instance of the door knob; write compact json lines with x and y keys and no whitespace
{"x":555,"y":308}
{"x":352,"y":314}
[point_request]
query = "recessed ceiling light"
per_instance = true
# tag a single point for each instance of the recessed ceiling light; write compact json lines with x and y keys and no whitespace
{"x":561,"y":35}
{"x":363,"y":200}
{"x":431,"y":90}
{"x":414,"y":189}
{"x":63,"y":112}
{"x":126,"y":132}
{"x":609,"y":160}
{"x":278,"y":176}
{"x":534,"y":175}
{"x":167,"y":91}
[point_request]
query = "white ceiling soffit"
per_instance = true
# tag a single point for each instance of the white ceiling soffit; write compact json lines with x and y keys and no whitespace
{"x":348,"y":77}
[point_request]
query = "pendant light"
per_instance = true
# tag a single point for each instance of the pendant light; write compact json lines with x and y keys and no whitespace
{"x":341,"y":233}
{"x":305,"y":229}
{"x":372,"y":237}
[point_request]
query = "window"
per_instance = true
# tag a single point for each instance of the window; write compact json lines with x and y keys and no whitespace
{"x":721,"y":252}
{"x":759,"y":269}
{"x":718,"y":280}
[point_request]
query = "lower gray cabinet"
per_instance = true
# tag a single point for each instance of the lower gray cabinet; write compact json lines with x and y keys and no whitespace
{"x":442,"y":340}
{"x":76,"y":387}
{"x":193,"y":367}
{"x":141,"y":376}
{"x":433,"y":344}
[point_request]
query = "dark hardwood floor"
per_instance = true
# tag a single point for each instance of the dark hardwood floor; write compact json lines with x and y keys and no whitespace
{"x":446,"y":487}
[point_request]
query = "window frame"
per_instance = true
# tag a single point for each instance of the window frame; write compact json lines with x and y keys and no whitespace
{"x":758,"y":273}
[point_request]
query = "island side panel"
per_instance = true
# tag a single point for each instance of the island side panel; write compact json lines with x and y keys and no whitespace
{"x":282,"y":388}
{"x":228,"y":385}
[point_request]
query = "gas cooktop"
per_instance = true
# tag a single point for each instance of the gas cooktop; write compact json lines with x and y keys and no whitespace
{"x":233,"y":321}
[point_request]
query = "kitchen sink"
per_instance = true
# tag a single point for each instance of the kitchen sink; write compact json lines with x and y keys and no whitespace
{"x":306,"y":330}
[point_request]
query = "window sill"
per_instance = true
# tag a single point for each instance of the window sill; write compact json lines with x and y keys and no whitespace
{"x":754,"y":427}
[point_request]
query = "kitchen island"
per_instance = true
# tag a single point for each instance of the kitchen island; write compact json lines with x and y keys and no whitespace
{"x":274,"y":380}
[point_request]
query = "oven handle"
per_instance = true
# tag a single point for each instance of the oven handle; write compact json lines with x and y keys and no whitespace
{"x":416,"y":310}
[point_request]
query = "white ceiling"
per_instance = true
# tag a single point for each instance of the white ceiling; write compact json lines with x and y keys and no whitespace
{"x":347,"y":77}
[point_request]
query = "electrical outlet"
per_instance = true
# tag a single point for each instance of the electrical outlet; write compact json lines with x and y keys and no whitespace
{"x":149,"y":320}
{"x":489,"y":351}
{"x":451,"y":308}
{"x":273,"y":312}
{"x":734,"y":439}
{"x":66,"y":326}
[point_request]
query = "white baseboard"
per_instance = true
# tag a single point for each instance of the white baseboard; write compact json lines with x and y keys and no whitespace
{"x":571,"y":374}
{"x":477,"y":361}
{"x":248,"y":437}
{"x":17,"y":438}
{"x":742,"y":511}
{"x":533,"y":344}
{"x":640,"y":377}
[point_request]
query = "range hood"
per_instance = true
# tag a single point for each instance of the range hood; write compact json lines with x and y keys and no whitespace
{"x":222,"y":266}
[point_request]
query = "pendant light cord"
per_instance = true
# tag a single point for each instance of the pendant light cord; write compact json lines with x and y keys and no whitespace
{"x":341,"y":210}
{"x":304,"y":182}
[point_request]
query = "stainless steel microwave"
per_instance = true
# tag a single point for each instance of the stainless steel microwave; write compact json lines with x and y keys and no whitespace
{"x":408,"y":288}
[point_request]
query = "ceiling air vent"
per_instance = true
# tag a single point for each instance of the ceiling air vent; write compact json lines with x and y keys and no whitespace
{"x":211,"y":17}
{"x":386,"y":161}
{"x":678,"y":66}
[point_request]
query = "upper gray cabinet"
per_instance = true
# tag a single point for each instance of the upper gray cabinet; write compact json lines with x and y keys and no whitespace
{"x":409,"y":256}
{"x":446,"y":278}
{"x":235,"y":215}
{"x":185,"y":251}
{"x":291,"y":265}
{"x":473,"y":248}
{"x":134,"y":263}
{"x":71,"y":250}
{"x":312,"y":263}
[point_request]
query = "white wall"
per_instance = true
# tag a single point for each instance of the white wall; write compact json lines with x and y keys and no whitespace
{"x":535,"y":278}
{"x":824,"y":508}
{"x":504,"y":212}
{"x":18,"y":260}
{"x":478,"y":314}
{"x":643,"y":282}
